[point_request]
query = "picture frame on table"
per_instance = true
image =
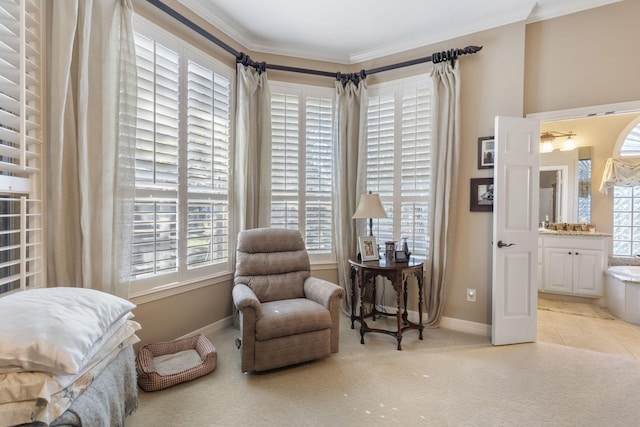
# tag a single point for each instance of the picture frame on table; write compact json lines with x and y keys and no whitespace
{"x":368,"y":248}
{"x":486,"y":152}
{"x":401,"y":256}
{"x":481,"y":195}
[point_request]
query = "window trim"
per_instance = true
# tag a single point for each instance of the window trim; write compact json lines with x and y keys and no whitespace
{"x":30,"y":189}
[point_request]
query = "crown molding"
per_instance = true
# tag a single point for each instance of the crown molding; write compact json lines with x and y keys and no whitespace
{"x":533,"y":12}
{"x":630,"y":107}
{"x":556,"y":9}
{"x":438,"y":35}
{"x":219,"y":21}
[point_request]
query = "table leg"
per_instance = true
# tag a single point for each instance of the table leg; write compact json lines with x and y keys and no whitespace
{"x":399,"y":320}
{"x":373,"y":298}
{"x":420,"y":325}
{"x":353,"y":296}
{"x":405,"y":314}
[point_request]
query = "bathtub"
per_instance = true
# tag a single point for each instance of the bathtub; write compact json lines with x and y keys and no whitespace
{"x":623,"y":292}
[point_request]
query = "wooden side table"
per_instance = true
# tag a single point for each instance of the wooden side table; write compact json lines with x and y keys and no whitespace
{"x":398,"y":274}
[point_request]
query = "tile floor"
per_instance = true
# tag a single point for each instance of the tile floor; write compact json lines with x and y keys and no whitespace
{"x":592,"y":333}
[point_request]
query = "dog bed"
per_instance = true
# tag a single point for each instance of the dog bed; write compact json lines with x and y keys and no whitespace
{"x":165,"y":364}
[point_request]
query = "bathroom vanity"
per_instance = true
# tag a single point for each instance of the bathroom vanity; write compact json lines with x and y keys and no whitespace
{"x":572,"y":262}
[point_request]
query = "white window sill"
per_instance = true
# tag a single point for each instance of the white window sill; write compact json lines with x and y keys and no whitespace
{"x":172,"y":289}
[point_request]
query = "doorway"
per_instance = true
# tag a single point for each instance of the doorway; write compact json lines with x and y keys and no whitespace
{"x":573,"y":329}
{"x":587,"y":326}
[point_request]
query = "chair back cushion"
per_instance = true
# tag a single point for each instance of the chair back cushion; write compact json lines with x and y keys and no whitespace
{"x":272,"y":262}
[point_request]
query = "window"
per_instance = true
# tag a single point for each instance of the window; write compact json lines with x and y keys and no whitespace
{"x":398,"y":160}
{"x":626,"y":202}
{"x":584,"y":190}
{"x":181,"y":223}
{"x":302,"y":163}
{"x":21,"y":234}
{"x":626,"y":221}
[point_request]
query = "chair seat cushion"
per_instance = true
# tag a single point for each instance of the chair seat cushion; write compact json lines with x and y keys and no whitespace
{"x":289,"y":317}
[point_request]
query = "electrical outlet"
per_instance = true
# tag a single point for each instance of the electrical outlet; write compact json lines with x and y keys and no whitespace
{"x":471,"y":295}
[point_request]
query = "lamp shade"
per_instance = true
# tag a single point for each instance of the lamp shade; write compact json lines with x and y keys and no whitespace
{"x":369,"y":206}
{"x":568,"y":145}
{"x":546,"y":147}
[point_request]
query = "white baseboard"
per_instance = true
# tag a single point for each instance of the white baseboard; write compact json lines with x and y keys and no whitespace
{"x":446,"y":322}
{"x":465,"y":326}
{"x":212,"y":328}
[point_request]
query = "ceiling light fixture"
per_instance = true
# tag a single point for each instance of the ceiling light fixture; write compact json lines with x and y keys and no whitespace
{"x":547,"y":138}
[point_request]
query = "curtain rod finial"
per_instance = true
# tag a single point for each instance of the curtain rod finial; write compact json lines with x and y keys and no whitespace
{"x":472,"y":49}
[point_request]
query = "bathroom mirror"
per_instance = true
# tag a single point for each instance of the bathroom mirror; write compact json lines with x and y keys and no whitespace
{"x":553,"y":194}
{"x":565,"y":185}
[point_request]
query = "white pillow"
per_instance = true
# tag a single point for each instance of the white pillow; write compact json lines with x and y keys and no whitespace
{"x":53,"y":329}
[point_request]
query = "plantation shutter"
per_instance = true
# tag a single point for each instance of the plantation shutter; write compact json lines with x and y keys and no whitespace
{"x":399,"y":161}
{"x":285,"y":157}
{"x":155,"y":240}
{"x":380,"y":159}
{"x":208,"y":159}
{"x":319,"y":174}
{"x":416,"y":169}
{"x":21,"y":234}
{"x":302,"y":164}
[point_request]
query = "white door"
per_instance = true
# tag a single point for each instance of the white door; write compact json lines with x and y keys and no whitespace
{"x":515,"y":231}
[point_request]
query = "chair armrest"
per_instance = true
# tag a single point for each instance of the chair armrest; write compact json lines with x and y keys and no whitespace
{"x":244,"y":298}
{"x":322,"y":291}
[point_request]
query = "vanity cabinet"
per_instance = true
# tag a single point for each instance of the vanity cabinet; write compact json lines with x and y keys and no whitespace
{"x":574,"y":264}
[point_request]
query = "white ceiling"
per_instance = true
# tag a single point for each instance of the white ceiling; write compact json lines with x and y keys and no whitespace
{"x":351,"y":31}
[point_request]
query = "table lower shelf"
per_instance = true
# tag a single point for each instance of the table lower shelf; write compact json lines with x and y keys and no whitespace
{"x":403,"y":324}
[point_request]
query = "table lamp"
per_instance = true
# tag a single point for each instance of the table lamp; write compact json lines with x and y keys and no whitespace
{"x":369,"y":206}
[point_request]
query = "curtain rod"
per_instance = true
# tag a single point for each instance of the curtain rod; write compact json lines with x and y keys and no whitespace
{"x":448,"y":55}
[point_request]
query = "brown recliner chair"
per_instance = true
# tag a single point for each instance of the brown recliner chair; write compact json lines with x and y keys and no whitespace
{"x":286,"y":316}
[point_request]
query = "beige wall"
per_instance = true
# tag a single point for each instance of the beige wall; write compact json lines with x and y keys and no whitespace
{"x":572,"y":61}
{"x":584,"y":59}
{"x":169,"y":318}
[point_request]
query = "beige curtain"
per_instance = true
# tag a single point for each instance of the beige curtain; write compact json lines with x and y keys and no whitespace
{"x":349,"y":182}
{"x":252,"y":173}
{"x":90,"y":152}
{"x":619,"y":172}
{"x":445,"y":154}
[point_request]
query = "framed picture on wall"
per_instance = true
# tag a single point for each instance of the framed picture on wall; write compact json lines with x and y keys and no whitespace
{"x":481,"y":195}
{"x":368,"y":248}
{"x":486,"y":152}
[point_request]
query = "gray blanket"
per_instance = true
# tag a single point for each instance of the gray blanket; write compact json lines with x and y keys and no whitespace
{"x":111,"y":397}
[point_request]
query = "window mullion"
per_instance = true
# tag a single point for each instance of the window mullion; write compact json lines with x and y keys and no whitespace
{"x":302,"y":160}
{"x":183,"y":191}
{"x":397,"y":165}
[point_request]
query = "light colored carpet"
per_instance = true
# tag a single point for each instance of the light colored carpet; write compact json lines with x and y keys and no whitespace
{"x":578,"y":309}
{"x":449,"y":379}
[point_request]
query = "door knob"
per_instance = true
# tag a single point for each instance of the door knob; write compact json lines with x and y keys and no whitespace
{"x":501,"y":244}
